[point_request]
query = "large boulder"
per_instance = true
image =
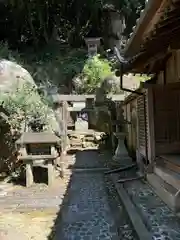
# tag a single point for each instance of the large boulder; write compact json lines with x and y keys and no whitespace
{"x":12,"y":74}
{"x":13,"y":77}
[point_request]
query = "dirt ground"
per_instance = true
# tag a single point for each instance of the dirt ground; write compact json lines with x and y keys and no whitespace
{"x":32,"y":225}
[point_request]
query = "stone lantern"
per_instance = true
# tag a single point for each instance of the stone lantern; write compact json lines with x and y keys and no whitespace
{"x":92,"y":44}
{"x":121,"y":156}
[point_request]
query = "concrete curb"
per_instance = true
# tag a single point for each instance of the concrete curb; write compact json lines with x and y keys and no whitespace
{"x":135,"y":218}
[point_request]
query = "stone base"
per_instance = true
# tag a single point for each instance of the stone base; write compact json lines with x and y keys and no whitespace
{"x":122,"y":160}
{"x":125,"y":161}
{"x":121,"y":157}
{"x":115,"y":164}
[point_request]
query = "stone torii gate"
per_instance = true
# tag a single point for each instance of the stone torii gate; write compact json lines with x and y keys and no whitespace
{"x":62,"y":110}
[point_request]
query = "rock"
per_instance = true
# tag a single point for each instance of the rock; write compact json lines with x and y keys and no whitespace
{"x":12,"y":74}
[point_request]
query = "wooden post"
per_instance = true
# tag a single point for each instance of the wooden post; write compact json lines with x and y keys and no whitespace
{"x":150,"y":127}
{"x":138,"y":155}
{"x":29,"y":174}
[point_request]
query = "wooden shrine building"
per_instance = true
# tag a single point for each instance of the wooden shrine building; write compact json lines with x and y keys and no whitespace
{"x":154,"y":48}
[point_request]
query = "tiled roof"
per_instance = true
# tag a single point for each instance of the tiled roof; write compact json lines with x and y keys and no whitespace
{"x":164,"y":34}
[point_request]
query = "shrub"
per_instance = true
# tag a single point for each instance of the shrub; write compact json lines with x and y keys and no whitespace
{"x":95,"y":70}
{"x":25,"y":105}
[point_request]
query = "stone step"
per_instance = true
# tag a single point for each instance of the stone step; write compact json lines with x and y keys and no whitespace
{"x":165,"y":191}
{"x":168,"y":176}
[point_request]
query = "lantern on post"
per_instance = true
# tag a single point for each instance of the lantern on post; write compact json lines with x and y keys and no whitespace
{"x":92,"y":44}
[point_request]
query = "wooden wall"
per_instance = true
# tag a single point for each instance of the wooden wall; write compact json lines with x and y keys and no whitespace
{"x":163,"y":114}
{"x":167,"y":107}
{"x":167,"y":118}
{"x":141,"y":129}
{"x":172,"y":74}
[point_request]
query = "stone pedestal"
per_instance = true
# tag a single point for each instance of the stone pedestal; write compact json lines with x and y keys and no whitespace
{"x":121,"y":156}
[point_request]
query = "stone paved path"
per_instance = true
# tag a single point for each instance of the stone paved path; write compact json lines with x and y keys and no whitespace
{"x":86,"y":159}
{"x":86,"y":214}
{"x":159,"y":219}
{"x":79,"y":207}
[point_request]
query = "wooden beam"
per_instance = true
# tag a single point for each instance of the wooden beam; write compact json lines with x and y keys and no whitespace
{"x":164,"y":29}
{"x":171,"y":18}
{"x":162,"y":39}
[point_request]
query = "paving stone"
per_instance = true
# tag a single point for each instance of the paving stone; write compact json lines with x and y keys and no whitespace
{"x":160,"y":220}
{"x":88,"y":211}
{"x":80,"y":207}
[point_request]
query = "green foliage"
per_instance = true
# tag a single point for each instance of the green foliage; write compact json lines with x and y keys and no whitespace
{"x":37,"y":22}
{"x":62,"y":66}
{"x":142,"y":78}
{"x":95,"y":70}
{"x":55,"y":64}
{"x":24,"y":105}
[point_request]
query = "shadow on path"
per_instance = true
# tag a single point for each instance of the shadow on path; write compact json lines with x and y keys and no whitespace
{"x":85,"y":212}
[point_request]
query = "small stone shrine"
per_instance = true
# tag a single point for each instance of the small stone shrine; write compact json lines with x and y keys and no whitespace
{"x":39,"y":150}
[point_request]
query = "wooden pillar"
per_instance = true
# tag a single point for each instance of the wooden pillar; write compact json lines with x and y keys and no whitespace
{"x":29,"y":174}
{"x":129,"y":126}
{"x":138,"y":154}
{"x":150,"y":128}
